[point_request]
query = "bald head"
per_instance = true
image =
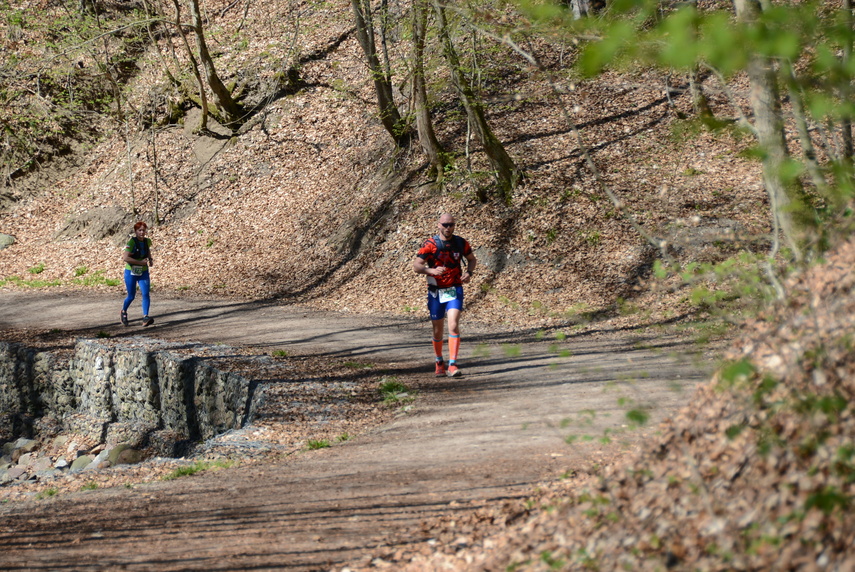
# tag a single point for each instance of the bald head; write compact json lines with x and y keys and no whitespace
{"x":446,"y":226}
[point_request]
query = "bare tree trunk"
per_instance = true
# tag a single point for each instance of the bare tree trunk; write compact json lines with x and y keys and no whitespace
{"x":389,"y":115}
{"x":507,"y":173}
{"x":203,"y":97}
{"x":581,"y":8}
{"x":130,"y":170}
{"x":154,"y":170}
{"x":222,"y":98}
{"x":797,"y":103}
{"x":846,"y":92}
{"x":769,"y":126}
{"x":88,"y":6}
{"x":699,"y":99}
{"x":424,"y":126}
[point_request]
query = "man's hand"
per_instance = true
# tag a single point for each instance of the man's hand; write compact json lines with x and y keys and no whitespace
{"x":438,"y":271}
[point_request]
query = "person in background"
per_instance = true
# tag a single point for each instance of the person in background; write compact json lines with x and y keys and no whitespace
{"x":440,"y":259}
{"x":138,"y":260}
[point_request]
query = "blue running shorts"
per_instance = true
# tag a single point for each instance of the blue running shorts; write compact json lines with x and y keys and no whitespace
{"x":437,"y":309}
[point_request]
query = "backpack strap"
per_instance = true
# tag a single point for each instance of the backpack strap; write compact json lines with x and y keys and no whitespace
{"x":140,"y":251}
{"x":456,"y":245}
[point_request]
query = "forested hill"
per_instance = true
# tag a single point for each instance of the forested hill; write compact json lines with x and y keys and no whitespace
{"x":302,"y":194}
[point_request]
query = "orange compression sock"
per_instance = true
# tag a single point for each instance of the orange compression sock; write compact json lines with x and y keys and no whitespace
{"x":437,"y":349}
{"x":453,"y":347}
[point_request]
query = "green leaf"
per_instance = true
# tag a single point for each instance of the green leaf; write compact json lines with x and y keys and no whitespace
{"x":596,"y":56}
{"x":738,"y":371}
{"x":681,"y":47}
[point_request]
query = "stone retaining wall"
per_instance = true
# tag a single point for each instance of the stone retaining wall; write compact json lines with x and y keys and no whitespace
{"x":111,"y":387}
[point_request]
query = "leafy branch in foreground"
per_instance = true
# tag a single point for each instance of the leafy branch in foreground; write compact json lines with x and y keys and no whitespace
{"x":798,"y":60}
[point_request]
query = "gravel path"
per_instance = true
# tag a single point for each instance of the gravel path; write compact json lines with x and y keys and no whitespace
{"x":467,"y":443}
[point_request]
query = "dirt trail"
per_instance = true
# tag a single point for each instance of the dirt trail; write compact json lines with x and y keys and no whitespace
{"x":490,"y":436}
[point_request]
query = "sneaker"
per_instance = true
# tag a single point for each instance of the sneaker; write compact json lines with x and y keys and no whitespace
{"x":124,"y":318}
{"x":147,"y":321}
{"x":454,"y":371}
{"x":440,"y":369}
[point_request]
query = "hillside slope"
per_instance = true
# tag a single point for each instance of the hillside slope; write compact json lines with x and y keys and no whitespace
{"x":310,"y":203}
{"x":757,"y":474}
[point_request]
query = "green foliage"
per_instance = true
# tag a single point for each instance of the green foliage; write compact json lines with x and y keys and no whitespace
{"x":736,"y":373}
{"x":683,"y":37}
{"x":17,"y":281}
{"x":37,"y":269}
{"x":97,"y":278}
{"x":829,"y":405}
{"x":552,"y":562}
{"x":47,"y":493}
{"x":828,"y":499}
{"x":735,"y":286}
{"x":60,"y":77}
{"x":196,"y":467}
{"x":511,"y":350}
{"x":317,"y":444}
{"x":637,"y":417}
{"x":393,"y":391}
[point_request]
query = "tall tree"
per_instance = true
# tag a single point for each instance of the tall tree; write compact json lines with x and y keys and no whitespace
{"x":389,"y":114}
{"x":846,"y":87}
{"x":765,"y":100}
{"x":508,"y":175}
{"x":424,"y":126}
{"x":203,"y":97}
{"x":222,"y":97}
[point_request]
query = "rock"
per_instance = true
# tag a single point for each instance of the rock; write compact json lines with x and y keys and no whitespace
{"x":45,"y":473}
{"x":129,"y":457}
{"x":81,"y":463}
{"x":61,"y":464}
{"x":132,"y":433}
{"x":15,"y":473}
{"x":101,"y":461}
{"x":60,"y":440}
{"x":6,"y":240}
{"x":26,"y":445}
{"x":114,"y":453}
{"x":41,"y":464}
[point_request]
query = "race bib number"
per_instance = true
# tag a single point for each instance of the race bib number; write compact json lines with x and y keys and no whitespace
{"x":447,"y":294}
{"x":137,"y":270}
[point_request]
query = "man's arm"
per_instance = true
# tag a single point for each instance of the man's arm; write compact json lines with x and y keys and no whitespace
{"x":421,"y":267}
{"x":471,"y":263}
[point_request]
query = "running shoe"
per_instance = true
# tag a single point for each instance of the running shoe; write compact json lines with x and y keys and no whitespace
{"x":124,"y":318}
{"x":440,"y":369}
{"x":146,"y":321}
{"x":454,"y":371}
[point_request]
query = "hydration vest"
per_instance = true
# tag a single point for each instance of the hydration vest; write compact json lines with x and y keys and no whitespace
{"x":140,"y":251}
{"x":455,"y":245}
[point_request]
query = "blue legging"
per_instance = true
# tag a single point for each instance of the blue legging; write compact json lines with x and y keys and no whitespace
{"x":131,"y":282}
